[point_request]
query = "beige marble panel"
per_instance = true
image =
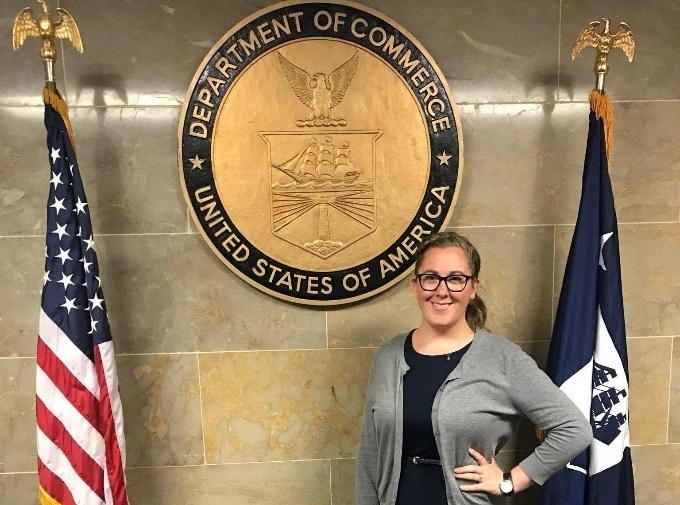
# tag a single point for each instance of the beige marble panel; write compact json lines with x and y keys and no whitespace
{"x":649,"y":275}
{"x":342,"y":481}
{"x":645,"y":164}
{"x":22,"y":263}
{"x":655,"y":70}
{"x":374,"y":321}
{"x":649,"y":361}
{"x":650,"y":278}
{"x":162,"y":409}
{"x":19,"y":488}
{"x":515,"y":279}
{"x":170,"y":293}
{"x":289,"y":482}
{"x":674,"y":401}
{"x":17,"y":415}
{"x":656,"y":470}
{"x":24,"y":170}
{"x":128,"y":161}
{"x":523,"y":164}
{"x":271,"y":406}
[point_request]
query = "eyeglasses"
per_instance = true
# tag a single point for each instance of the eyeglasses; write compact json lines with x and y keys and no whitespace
{"x":455,"y":282}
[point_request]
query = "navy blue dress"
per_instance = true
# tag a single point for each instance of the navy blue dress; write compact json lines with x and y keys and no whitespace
{"x":423,"y":484}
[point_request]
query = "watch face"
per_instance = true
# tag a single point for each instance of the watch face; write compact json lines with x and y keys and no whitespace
{"x":506,"y":486}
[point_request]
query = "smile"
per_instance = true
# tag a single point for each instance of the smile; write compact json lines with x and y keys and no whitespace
{"x":442,"y":305}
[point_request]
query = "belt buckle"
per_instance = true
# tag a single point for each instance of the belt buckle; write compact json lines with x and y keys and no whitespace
{"x":416,"y":460}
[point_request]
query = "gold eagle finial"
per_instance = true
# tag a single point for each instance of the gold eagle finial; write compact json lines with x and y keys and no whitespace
{"x":320,"y":92}
{"x":64,"y":27}
{"x":603,"y":43}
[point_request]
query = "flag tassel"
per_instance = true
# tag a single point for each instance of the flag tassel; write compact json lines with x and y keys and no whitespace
{"x":601,"y":105}
{"x":53,"y":98}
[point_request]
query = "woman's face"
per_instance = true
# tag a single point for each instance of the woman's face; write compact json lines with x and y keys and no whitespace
{"x":443,"y":309}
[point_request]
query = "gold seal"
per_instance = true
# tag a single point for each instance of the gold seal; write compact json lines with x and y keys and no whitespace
{"x":318,"y":146}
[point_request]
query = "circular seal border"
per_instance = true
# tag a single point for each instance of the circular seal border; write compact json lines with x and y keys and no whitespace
{"x":338,"y":286}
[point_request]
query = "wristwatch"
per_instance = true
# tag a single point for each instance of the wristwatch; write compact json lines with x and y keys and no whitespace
{"x":506,"y":485}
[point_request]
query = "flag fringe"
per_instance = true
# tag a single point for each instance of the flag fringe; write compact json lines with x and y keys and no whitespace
{"x":44,"y":498}
{"x":601,"y":105}
{"x":54,"y":99}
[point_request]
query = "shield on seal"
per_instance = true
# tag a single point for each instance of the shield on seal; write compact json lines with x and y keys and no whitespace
{"x":322,"y":188}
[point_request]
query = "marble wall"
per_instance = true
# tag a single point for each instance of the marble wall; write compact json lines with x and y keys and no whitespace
{"x":231,"y":396}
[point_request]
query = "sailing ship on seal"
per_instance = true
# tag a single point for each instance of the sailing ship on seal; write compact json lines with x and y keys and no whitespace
{"x":321,"y":163}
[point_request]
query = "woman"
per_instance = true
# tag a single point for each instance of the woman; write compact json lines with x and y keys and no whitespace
{"x":443,"y":399}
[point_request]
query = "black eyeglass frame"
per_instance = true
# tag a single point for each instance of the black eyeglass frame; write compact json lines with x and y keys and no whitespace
{"x":445,"y":279}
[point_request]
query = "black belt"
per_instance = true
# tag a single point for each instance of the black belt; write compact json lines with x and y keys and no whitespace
{"x":417,"y":460}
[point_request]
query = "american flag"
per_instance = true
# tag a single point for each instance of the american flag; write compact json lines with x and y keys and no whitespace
{"x":81,"y":445}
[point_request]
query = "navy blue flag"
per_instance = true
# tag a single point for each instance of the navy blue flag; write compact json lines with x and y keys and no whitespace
{"x":588,"y":358}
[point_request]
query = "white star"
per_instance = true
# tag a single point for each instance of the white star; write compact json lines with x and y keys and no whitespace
{"x":86,"y":265}
{"x":46,"y":277}
{"x":63,"y":255}
{"x":69,"y":304}
{"x":56,"y":179}
{"x":71,"y":167}
{"x":66,"y":280}
{"x":96,"y":301}
{"x":89,"y":242}
{"x":55,"y":155}
{"x":603,"y":241}
{"x":196,"y":162}
{"x":61,"y":231}
{"x":93,"y":325}
{"x":80,"y":206}
{"x":58,"y":205}
{"x":444,"y":158}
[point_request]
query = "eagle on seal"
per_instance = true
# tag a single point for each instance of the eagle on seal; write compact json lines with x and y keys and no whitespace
{"x":320,"y":92}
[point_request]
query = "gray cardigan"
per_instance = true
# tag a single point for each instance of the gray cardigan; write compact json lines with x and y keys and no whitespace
{"x":478,"y":406}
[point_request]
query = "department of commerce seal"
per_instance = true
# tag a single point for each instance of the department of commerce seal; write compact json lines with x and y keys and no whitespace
{"x":319,"y":145}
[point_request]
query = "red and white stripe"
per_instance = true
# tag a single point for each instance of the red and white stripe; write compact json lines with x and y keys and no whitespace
{"x":81,"y":446}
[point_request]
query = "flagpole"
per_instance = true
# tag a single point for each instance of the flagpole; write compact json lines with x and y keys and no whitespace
{"x":80,"y":437}
{"x":588,"y":358}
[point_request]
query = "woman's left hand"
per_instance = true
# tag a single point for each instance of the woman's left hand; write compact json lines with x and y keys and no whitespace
{"x":487,"y":475}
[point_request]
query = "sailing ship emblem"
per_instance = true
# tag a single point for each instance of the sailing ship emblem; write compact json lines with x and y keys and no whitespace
{"x":322,"y":197}
{"x":324,"y":162}
{"x":606,"y":422}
